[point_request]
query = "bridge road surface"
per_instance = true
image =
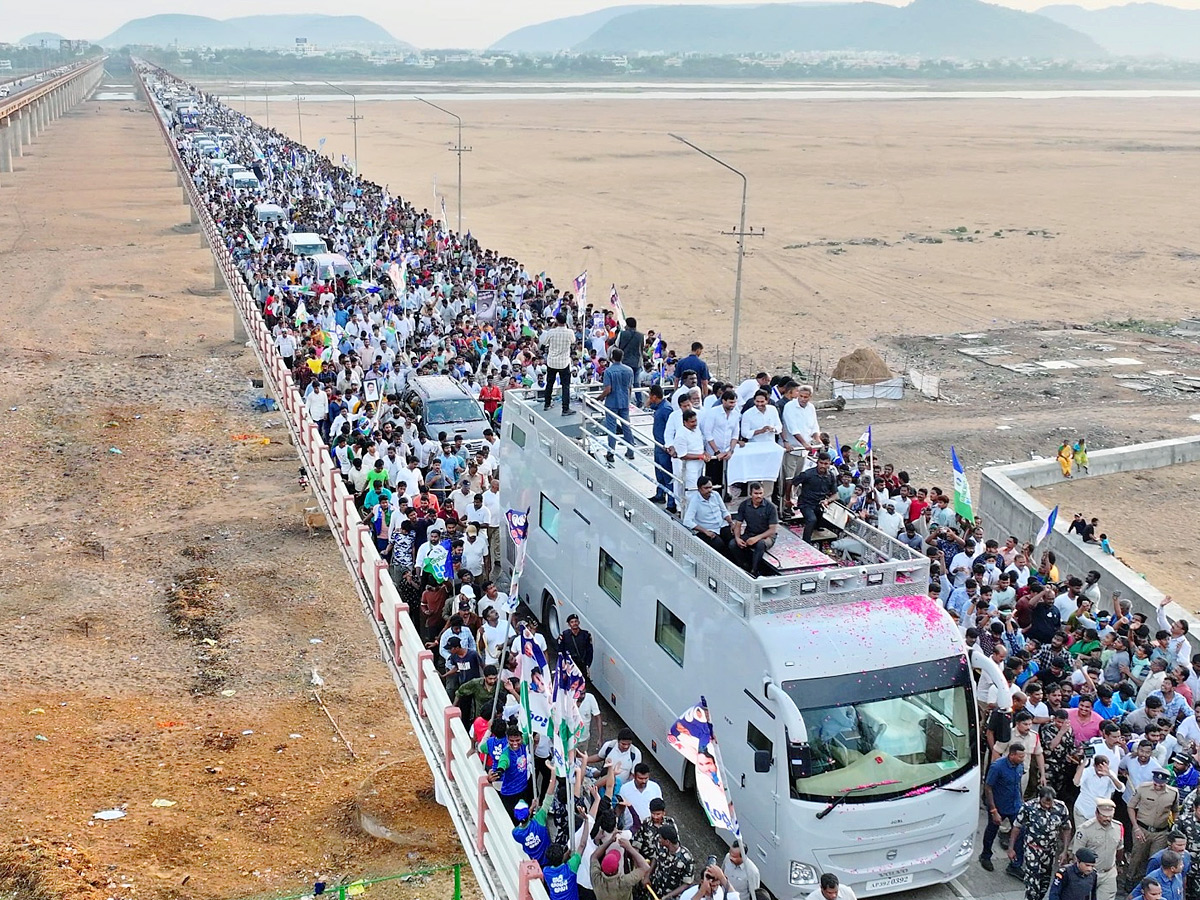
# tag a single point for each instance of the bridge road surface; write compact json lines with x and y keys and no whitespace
{"x":700,"y":838}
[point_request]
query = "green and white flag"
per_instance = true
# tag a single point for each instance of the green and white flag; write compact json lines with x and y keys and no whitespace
{"x":962,"y":490}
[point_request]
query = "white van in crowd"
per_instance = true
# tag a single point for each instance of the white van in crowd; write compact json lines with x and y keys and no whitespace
{"x":306,"y":243}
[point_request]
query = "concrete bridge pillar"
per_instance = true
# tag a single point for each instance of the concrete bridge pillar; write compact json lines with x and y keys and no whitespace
{"x":6,"y":136}
{"x":15,"y":128}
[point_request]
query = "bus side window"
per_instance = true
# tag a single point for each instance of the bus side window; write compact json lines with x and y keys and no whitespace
{"x":757,"y":740}
{"x":764,"y":749}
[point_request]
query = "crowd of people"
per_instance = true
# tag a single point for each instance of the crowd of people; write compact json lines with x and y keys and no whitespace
{"x":1096,"y":760}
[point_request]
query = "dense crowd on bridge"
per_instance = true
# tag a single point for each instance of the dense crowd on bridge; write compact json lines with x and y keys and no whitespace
{"x":1091,"y":771}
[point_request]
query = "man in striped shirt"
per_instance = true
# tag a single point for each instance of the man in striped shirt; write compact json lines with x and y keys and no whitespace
{"x":558,"y":342}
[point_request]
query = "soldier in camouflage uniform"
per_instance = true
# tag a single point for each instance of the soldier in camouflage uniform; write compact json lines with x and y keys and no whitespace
{"x":1061,"y":751}
{"x":1189,"y":823}
{"x":1045,"y":822}
{"x":673,"y":864}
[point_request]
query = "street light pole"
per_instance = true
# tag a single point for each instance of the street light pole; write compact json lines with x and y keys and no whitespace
{"x":460,"y":150}
{"x":741,"y":236}
{"x":354,"y":118}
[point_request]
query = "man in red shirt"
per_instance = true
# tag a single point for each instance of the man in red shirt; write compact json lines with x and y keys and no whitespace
{"x":918,"y":505}
{"x":491,"y":397}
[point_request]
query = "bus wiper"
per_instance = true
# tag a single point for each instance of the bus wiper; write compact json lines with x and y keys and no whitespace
{"x":836,"y":801}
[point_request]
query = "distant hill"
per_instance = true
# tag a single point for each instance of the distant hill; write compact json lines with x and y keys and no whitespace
{"x":249,"y":31}
{"x":559,"y":34}
{"x":1136,"y":29}
{"x":35,"y":40}
{"x":966,"y":29}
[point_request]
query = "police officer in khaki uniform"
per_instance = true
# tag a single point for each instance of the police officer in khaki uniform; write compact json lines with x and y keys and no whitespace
{"x":1104,"y":837}
{"x":1151,"y":811}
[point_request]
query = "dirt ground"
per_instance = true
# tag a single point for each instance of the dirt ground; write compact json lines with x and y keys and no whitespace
{"x":1148,"y":519}
{"x":882,"y":216}
{"x":162,"y":607}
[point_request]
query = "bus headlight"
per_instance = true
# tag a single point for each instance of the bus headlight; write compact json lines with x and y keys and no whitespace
{"x":802,"y":874}
{"x":965,"y":849}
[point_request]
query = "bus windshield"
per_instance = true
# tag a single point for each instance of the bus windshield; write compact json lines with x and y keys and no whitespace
{"x":899,"y":729}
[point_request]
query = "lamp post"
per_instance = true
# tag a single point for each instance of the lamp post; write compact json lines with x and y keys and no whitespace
{"x":354,"y":118}
{"x":460,"y":150}
{"x":741,"y":236}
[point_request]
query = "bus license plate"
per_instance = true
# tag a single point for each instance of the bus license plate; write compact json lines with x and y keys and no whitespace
{"x":893,"y":882}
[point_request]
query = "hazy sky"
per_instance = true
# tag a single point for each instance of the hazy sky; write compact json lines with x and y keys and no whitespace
{"x":442,"y":23}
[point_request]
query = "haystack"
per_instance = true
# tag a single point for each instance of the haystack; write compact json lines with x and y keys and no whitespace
{"x":863,"y":366}
{"x":863,"y":375}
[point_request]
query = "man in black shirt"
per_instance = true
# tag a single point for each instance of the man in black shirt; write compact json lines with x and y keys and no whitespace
{"x":577,"y":644}
{"x":754,"y":526}
{"x":817,"y":486}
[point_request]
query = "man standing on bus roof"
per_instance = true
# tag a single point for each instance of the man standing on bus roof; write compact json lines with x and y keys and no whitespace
{"x":662,"y":459}
{"x":691,"y":454}
{"x":754,"y":527}
{"x":616,"y":394}
{"x":576,"y":642}
{"x":818,"y":487}
{"x":558,"y":342}
{"x":693,"y":363}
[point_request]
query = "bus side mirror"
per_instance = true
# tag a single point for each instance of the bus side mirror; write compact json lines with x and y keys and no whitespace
{"x":763,"y":761}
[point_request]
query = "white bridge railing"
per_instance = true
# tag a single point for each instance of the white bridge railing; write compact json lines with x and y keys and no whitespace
{"x":484,"y":828}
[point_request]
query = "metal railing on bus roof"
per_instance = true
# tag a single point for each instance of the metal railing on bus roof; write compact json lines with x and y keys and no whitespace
{"x":741,"y":593}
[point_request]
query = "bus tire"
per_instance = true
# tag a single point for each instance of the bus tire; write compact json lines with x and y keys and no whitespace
{"x":551,"y":626}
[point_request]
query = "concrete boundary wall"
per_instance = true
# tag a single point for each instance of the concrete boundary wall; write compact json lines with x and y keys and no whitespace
{"x":501,"y":867}
{"x":1007,"y":508}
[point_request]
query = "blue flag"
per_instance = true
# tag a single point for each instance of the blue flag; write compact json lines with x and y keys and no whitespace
{"x":837,"y":452}
{"x":1048,"y":527}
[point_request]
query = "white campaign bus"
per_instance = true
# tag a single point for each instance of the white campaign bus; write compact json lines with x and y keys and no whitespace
{"x":842,"y":696}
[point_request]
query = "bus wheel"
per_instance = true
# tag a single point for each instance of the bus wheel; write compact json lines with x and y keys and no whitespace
{"x":550,"y":624}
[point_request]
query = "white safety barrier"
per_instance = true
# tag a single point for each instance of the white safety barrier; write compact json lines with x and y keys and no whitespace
{"x":484,"y":828}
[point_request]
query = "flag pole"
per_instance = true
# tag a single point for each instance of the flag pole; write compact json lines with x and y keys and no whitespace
{"x":716,"y":747}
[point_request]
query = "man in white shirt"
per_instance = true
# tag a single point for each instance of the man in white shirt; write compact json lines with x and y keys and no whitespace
{"x":707,"y":517}
{"x":636,"y":795}
{"x":619,"y":757}
{"x":831,"y":889}
{"x":690,"y":457}
{"x":721,"y":426}
{"x":760,"y":423}
{"x":801,"y":435}
{"x":474,"y":551}
{"x":742,"y":873}
{"x":1189,"y":730}
{"x":746,"y":390}
{"x":890,"y":522}
{"x":317,"y":405}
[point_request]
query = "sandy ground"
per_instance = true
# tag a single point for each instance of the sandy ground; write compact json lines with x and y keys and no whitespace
{"x":162,"y":608}
{"x":569,"y":185}
{"x":1148,"y":519}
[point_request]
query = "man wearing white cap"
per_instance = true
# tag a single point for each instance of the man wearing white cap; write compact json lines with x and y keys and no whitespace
{"x":474,"y":551}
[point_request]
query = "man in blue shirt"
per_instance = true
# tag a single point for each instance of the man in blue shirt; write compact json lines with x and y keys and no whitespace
{"x":618,"y":387}
{"x":665,"y":490}
{"x":512,"y":771}
{"x":1002,"y":793}
{"x":693,"y":363}
{"x":559,"y":873}
{"x":531,"y":832}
